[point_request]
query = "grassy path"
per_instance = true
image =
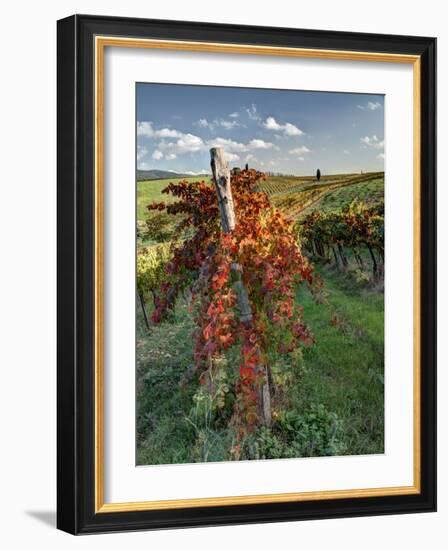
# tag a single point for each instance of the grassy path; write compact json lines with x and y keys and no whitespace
{"x":345,"y":368}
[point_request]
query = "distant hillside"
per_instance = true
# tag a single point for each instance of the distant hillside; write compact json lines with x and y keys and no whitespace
{"x":159,"y":175}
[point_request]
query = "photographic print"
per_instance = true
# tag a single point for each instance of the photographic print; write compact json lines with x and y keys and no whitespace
{"x":259,"y":266}
{"x":240,"y":338}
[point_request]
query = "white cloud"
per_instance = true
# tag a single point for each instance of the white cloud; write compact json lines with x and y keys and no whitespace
{"x":145,"y":129}
{"x":234,"y":115}
{"x":346,"y":152}
{"x":372,"y":142}
{"x":191,"y":143}
{"x":203,"y":123}
{"x":260,"y":144}
{"x":211,"y":125}
{"x":300,"y":150}
{"x":380,"y":156}
{"x":200,"y":173}
{"x":229,"y":145}
{"x":289,"y":129}
{"x":249,"y":157}
{"x":300,"y":158}
{"x":232,"y":157}
{"x":253,"y":113}
{"x":188,"y":143}
{"x":167,"y":133}
{"x":370,"y":106}
{"x":228,"y":124}
{"x":271,"y":124}
{"x":157,"y":155}
{"x":141,"y":152}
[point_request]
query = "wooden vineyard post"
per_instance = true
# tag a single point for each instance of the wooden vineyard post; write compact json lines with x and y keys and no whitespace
{"x":221,"y":178}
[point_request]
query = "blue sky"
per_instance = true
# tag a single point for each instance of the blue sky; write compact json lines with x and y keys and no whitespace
{"x":292,"y":132}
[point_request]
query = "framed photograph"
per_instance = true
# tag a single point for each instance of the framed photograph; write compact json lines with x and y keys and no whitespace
{"x":246,"y":274}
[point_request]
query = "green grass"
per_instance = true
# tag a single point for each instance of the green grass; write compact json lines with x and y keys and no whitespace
{"x":163,"y":356}
{"x":345,"y":368}
{"x":343,"y":372}
{"x":151,"y":190}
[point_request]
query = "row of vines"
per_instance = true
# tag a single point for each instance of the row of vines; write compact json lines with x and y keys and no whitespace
{"x":353,"y":232}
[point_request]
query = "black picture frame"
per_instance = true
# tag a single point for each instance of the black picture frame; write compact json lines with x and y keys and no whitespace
{"x":76,"y":264}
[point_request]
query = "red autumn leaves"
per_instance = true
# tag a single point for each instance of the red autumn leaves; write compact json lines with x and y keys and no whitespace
{"x":265,"y":248}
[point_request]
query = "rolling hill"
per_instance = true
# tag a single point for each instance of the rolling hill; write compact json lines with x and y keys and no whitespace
{"x":145,"y":175}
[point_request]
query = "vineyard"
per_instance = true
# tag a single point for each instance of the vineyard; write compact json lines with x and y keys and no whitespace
{"x":265,"y":341}
{"x":293,"y":196}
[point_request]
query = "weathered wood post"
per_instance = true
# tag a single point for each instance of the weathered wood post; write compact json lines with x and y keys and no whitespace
{"x":221,"y":178}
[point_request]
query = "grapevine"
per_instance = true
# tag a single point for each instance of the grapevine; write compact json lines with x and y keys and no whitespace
{"x":355,"y":227}
{"x":264,"y":245}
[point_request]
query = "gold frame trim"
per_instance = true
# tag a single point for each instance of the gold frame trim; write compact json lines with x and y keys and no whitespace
{"x":101,"y":42}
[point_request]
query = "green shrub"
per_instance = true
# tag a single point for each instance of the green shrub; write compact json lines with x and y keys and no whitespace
{"x":160,"y":227}
{"x":151,"y":267}
{"x":316,"y":432}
